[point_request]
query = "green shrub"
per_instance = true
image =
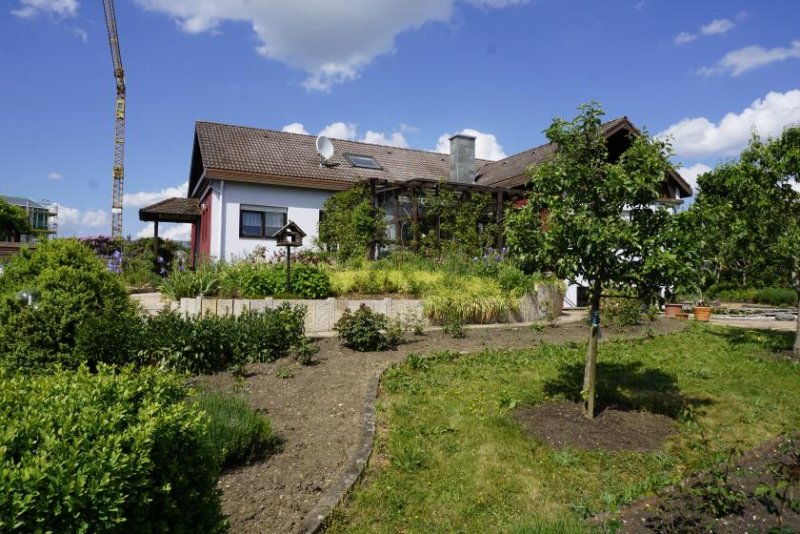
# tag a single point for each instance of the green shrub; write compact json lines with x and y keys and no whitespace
{"x":238,"y":433}
{"x":202,"y":282}
{"x":364,"y":330}
{"x":621,"y":308}
{"x":72,"y":286}
{"x":776,"y":296}
{"x":212,"y":343}
{"x":511,"y":278}
{"x":309,"y":281}
{"x":116,"y":451}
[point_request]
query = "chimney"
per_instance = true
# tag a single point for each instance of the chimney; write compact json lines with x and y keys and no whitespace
{"x":462,"y":158}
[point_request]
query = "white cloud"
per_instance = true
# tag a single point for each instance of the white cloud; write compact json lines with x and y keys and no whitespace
{"x":486,"y":145}
{"x":379,"y":138}
{"x":690,"y":174}
{"x":639,"y":6}
{"x":768,"y":117}
{"x":717,"y":27}
{"x":349,"y":132}
{"x":73,"y":221}
{"x":145,"y":198}
{"x":54,"y":175}
{"x":174,"y":232}
{"x":295,"y":127}
{"x":331,"y":40}
{"x":684,"y":37}
{"x":750,"y":57}
{"x":340,"y":130}
{"x":81,"y":34}
{"x":59,"y":8}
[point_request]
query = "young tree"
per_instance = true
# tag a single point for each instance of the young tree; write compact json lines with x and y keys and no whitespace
{"x":13,"y":221}
{"x":592,"y":218}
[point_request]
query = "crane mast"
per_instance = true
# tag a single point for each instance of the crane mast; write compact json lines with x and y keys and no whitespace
{"x":119,"y":121}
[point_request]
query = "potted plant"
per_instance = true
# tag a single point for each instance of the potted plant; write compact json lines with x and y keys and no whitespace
{"x":702,"y":312}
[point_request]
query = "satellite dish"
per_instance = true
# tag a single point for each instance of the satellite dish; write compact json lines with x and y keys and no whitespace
{"x":324,"y":149}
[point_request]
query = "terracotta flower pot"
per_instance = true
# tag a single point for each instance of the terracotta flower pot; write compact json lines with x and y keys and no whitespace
{"x":702,"y":313}
{"x":673,"y":309}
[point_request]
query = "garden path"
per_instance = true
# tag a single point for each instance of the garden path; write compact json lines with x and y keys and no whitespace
{"x":318,"y":415}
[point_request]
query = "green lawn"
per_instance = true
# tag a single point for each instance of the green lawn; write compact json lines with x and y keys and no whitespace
{"x":449,"y":457}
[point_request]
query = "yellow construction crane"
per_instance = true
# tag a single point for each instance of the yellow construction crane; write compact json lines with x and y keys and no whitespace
{"x":119,"y":122}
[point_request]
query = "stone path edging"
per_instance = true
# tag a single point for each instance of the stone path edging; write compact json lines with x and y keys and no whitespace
{"x":315,"y":519}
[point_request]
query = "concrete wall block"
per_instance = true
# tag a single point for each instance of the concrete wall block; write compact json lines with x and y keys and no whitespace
{"x":240,"y":305}
{"x":258,"y":305}
{"x":224,"y":306}
{"x":208,"y":306}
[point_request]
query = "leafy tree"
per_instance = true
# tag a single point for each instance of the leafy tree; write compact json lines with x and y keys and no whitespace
{"x":590,"y":217}
{"x":350,"y":225}
{"x":746,"y":209}
{"x":749,"y":211}
{"x":13,"y":221}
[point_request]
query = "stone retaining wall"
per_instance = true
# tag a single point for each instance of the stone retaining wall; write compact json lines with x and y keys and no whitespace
{"x":323,"y":313}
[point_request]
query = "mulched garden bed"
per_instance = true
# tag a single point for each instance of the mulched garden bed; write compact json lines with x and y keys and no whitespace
{"x":563,"y":425}
{"x":317,"y":416}
{"x":722,"y":500}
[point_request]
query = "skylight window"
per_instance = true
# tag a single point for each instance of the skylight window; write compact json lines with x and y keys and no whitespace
{"x":365,"y":162}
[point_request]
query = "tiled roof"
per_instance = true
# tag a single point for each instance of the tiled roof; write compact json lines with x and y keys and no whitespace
{"x":270,"y":156}
{"x":242,"y":149}
{"x":172,"y":210}
{"x":512,"y":171}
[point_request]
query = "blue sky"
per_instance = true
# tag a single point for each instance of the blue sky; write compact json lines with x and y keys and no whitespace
{"x":403,"y":72}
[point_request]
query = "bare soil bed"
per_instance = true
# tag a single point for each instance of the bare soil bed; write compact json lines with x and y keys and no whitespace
{"x":317,"y":415}
{"x":686,"y":508}
{"x":563,"y":425}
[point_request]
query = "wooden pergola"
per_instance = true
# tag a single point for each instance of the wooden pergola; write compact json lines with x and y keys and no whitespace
{"x":399,"y":201}
{"x":174,"y":210}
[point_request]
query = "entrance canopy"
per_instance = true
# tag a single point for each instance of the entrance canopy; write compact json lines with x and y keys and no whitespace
{"x":176,"y":210}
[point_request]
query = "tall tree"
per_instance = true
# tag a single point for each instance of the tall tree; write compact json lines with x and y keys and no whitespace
{"x":592,"y":219}
{"x":746,"y":208}
{"x":751,"y":208}
{"x":13,"y":221}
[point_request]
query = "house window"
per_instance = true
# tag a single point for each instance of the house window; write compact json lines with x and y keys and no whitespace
{"x":260,"y":222}
{"x":365,"y":162}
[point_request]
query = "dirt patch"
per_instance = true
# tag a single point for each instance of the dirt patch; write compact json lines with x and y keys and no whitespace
{"x":317,"y":416}
{"x":690,"y":507}
{"x":562,"y":425}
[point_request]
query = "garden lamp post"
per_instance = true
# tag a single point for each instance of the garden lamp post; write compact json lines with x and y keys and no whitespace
{"x":289,"y":236}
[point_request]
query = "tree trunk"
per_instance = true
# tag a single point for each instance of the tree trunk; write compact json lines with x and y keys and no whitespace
{"x":796,"y":349}
{"x":590,"y":374}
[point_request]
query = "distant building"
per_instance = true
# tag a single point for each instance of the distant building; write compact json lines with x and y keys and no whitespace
{"x":43,"y":216}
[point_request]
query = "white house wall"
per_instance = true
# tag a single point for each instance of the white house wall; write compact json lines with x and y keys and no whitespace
{"x":303,"y":207}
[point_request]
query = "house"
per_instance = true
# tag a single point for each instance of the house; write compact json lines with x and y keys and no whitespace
{"x":246,"y":183}
{"x":43,"y":220}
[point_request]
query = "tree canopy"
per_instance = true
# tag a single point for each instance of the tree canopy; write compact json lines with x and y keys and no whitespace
{"x":13,"y":221}
{"x":745,"y":218}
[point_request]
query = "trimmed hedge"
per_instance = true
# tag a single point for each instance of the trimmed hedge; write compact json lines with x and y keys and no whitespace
{"x":774,"y":296}
{"x":106,"y":452}
{"x":72,"y":286}
{"x":211,"y":343}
